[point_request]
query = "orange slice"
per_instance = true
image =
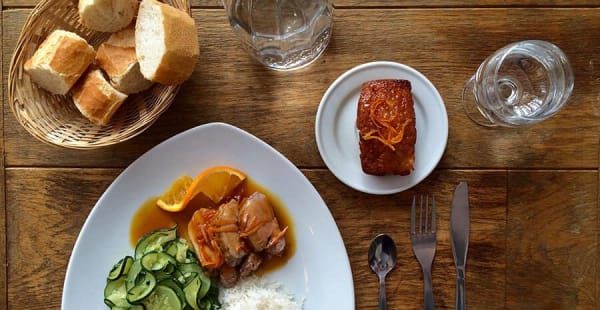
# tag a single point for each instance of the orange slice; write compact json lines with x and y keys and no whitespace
{"x":215,"y":183}
{"x":173,"y":199}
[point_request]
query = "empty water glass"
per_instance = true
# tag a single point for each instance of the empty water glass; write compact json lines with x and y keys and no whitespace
{"x":520,"y":84}
{"x":282,"y":34}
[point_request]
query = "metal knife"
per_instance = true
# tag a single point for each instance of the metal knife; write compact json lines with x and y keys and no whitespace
{"x":459,"y":234}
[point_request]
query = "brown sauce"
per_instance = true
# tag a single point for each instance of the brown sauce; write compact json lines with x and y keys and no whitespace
{"x":150,"y":217}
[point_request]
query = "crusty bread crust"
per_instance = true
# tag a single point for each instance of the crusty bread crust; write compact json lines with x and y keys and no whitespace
{"x":63,"y":54}
{"x":124,"y":37}
{"x":107,"y":15}
{"x":96,"y":99}
{"x":117,"y":58}
{"x":181,"y":42}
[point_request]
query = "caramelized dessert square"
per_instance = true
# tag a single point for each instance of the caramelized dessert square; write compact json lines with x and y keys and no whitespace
{"x":386,"y":126}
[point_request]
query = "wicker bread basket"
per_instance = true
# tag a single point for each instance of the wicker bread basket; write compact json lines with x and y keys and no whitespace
{"x":54,"y":119}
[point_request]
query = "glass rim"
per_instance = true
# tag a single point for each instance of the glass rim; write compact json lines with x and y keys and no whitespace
{"x":556,"y":52}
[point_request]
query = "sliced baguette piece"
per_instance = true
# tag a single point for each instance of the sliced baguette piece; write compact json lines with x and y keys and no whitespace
{"x":59,"y":61}
{"x":107,"y":15}
{"x":166,"y":43}
{"x":117,"y":58}
{"x":96,"y":99}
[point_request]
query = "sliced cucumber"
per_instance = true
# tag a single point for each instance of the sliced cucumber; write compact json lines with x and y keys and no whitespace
{"x":115,"y":293}
{"x":155,"y":241}
{"x":178,"y":249}
{"x":120,"y":268}
{"x":145,"y":283}
{"x":175,"y":275}
{"x":206,"y":285}
{"x":211,"y":300}
{"x":164,"y":274}
{"x":190,"y":257}
{"x":191,"y":290}
{"x":175,"y":286}
{"x":209,"y":304}
{"x":171,"y":247}
{"x":132,"y":275}
{"x":132,"y":307}
{"x":107,"y":302}
{"x":190,"y":268}
{"x":157,"y":261}
{"x":163,"y":298}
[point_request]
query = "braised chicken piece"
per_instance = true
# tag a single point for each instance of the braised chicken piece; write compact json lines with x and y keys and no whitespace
{"x":259,"y":225}
{"x":228,"y":276}
{"x":227,"y":233}
{"x":215,"y":236}
{"x":250,"y":264}
{"x":234,"y":239}
{"x":203,"y":240}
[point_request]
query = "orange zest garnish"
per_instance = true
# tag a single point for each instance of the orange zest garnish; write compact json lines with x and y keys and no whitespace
{"x":383,"y":117}
{"x":253,"y":226}
{"x":276,"y":238}
{"x":203,"y":238}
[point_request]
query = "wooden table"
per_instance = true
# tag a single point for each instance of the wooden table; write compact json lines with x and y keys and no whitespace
{"x":534,"y":191}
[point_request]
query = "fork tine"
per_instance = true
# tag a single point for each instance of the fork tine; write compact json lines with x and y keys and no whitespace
{"x":421,"y":215}
{"x":426,"y":227}
{"x":432,"y":213}
{"x":412,"y":217}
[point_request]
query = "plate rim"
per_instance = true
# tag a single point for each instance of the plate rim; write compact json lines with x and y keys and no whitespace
{"x":325,"y":98}
{"x":225,"y":126}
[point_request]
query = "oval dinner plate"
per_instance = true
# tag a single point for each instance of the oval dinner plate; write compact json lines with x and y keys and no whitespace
{"x":337,"y":136}
{"x":318,"y":273}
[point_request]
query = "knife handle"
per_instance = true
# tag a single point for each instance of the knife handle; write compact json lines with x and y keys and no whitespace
{"x":460,"y":291}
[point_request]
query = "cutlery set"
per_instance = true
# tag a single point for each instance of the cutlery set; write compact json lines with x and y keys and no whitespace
{"x":382,"y":252}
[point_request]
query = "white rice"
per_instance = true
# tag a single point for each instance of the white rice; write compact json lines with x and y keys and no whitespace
{"x":254,"y":293}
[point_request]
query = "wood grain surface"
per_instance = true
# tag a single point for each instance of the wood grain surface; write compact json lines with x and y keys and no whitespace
{"x":552,"y":240}
{"x":43,"y":222}
{"x":391,"y":3}
{"x":533,"y":191}
{"x":2,"y":203}
{"x":360,"y":217}
{"x":228,"y":86}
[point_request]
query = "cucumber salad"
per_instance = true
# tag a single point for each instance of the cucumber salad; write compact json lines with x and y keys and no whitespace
{"x":163,"y":274}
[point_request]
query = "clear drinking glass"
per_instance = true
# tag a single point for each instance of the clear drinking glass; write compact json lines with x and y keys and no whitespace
{"x":520,"y":84}
{"x":282,"y":34}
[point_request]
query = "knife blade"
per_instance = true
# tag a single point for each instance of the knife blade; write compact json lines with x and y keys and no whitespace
{"x":459,"y":234}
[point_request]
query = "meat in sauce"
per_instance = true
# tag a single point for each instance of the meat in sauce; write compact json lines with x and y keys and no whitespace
{"x":235,"y":238}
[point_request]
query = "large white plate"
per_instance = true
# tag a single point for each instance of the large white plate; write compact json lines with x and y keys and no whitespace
{"x":319,"y":272}
{"x":337,"y":137}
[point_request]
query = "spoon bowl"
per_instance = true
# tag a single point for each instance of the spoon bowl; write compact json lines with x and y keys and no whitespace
{"x":382,"y":259}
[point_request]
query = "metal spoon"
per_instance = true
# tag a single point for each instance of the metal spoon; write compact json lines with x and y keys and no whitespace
{"x":382,"y":259}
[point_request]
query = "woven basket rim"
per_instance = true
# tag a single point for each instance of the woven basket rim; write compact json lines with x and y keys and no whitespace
{"x":102,"y":137}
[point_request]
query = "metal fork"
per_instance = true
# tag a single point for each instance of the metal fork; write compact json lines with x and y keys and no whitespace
{"x":423,"y":240}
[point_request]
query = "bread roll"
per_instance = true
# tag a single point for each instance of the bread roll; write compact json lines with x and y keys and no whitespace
{"x":96,"y":99}
{"x":107,"y":15}
{"x":117,"y":58}
{"x":59,"y":61}
{"x":166,"y":43}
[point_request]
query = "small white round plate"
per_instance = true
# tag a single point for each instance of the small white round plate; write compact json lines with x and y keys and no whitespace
{"x":337,"y":136}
